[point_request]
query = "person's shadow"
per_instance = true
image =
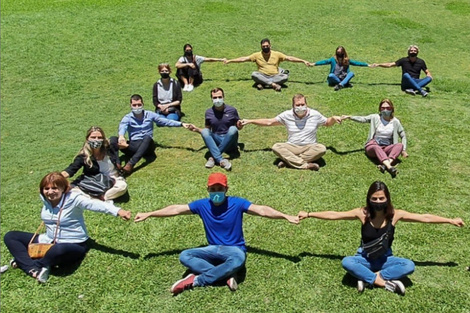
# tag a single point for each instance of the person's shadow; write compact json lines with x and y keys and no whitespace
{"x":70,"y":268}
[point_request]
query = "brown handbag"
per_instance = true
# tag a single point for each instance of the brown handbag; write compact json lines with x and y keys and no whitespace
{"x":39,"y":250}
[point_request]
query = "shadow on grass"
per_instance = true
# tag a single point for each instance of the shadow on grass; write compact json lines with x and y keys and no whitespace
{"x":324,"y":256}
{"x":164,"y":253}
{"x":69,"y":269}
{"x":431,"y":263}
{"x":333,"y":149}
{"x":92,"y":244}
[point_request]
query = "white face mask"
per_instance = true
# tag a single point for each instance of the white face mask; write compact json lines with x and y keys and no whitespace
{"x":218,"y":102}
{"x":137,"y":110}
{"x":301,"y":110}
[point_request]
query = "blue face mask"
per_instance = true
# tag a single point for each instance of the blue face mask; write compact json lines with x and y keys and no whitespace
{"x":217,"y":197}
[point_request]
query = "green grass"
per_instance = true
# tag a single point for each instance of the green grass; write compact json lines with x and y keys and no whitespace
{"x":67,"y":65}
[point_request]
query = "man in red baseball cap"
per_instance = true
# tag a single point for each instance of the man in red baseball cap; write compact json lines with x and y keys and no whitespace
{"x":222,"y":217}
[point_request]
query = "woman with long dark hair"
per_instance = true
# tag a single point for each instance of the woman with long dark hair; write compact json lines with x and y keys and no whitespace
{"x":376,"y":265}
{"x":340,"y":74}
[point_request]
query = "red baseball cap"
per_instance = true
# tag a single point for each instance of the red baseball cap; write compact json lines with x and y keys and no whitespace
{"x":217,"y":178}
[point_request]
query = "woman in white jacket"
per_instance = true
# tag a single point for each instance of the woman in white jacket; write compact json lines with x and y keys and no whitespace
{"x":383,"y":139}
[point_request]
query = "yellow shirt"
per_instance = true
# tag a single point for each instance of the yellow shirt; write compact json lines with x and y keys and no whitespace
{"x":271,"y":66}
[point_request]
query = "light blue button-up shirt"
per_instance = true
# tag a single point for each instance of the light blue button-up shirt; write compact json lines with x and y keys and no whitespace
{"x":72,"y":228}
{"x":138,"y":129}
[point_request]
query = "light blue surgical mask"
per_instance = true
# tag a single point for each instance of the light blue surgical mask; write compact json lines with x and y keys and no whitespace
{"x":218,"y":102}
{"x":217,"y":197}
{"x":137,"y":110}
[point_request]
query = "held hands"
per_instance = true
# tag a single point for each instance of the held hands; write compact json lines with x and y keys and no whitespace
{"x":293,"y":219}
{"x":311,"y":64}
{"x":140,"y":217}
{"x":373,"y":65}
{"x":338,"y":119}
{"x":404,"y":154}
{"x":345,"y":117}
{"x":302,"y":215}
{"x":244,"y":122}
{"x":239,"y":124}
{"x":125,"y":215}
{"x":457,"y":222}
{"x":122,"y":143}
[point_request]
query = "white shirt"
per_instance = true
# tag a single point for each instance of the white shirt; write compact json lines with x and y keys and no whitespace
{"x":107,"y":167}
{"x":301,"y":131}
{"x":384,"y":133}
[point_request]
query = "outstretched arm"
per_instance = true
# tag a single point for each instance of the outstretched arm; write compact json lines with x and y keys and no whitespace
{"x":238,"y":60}
{"x":171,"y":210}
{"x":426,"y":218}
{"x":261,"y":122}
{"x":266,"y":211}
{"x":333,"y":120}
{"x":297,"y":60}
{"x":333,"y":215}
{"x":215,"y":59}
{"x":387,"y":65}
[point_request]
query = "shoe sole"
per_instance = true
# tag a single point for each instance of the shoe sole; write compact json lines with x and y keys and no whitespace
{"x":179,"y":281}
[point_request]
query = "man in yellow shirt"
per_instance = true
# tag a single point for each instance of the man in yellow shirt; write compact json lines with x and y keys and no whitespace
{"x":269,"y":73}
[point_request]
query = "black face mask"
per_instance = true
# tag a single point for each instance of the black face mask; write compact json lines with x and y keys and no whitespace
{"x":266,"y":49}
{"x":165,"y":75}
{"x":340,"y":55}
{"x":412,"y":55}
{"x":378,"y":206}
{"x":188,"y":53}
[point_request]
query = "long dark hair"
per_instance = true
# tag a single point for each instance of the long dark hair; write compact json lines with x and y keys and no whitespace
{"x":378,"y":186}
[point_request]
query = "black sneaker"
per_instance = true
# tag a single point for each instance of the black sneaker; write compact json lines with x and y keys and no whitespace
{"x":395,"y":286}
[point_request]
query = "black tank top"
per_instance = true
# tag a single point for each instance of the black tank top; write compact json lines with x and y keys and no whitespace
{"x":369,"y":233}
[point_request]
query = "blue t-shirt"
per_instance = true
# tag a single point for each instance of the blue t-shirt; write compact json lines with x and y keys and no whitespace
{"x":220,"y":121}
{"x":222,"y":223}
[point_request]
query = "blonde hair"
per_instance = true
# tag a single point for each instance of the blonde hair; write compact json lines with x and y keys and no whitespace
{"x":86,"y":149}
{"x":413,"y":46}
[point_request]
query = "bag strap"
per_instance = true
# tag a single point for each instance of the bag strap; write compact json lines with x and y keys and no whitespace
{"x":57,"y":225}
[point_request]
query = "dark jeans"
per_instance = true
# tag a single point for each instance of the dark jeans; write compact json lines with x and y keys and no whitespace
{"x":60,"y":254}
{"x":136,"y":149}
{"x":189,"y":72}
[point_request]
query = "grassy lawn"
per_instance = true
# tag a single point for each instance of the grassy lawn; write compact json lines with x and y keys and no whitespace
{"x":67,"y":65}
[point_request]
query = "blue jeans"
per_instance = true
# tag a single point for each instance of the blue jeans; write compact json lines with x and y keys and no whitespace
{"x":171,"y":116}
{"x":61,"y":253}
{"x":409,"y":82}
{"x":334,"y":80}
{"x":218,"y":144}
{"x":213,"y":263}
{"x":390,"y":267}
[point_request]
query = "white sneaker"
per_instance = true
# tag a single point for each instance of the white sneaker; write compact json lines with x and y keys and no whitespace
{"x":185,"y":88}
{"x":360,"y":285}
{"x":43,"y":275}
{"x":232,"y":284}
{"x":4,"y":268}
{"x":190,"y":88}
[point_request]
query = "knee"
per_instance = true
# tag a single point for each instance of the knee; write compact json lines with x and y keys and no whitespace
{"x":184,"y":256}
{"x":348,"y":262}
{"x":277,"y":147}
{"x":205,"y":132}
{"x":408,"y":267}
{"x":232,"y":131}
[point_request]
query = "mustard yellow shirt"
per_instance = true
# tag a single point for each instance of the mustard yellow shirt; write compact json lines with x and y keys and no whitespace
{"x":270,"y":66}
